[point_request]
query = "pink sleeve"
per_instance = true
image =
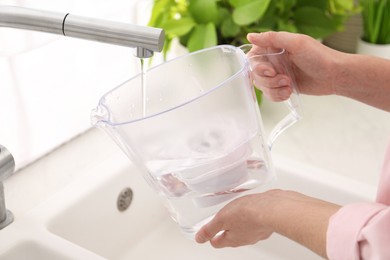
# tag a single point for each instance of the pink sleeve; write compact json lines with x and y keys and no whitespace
{"x":359,"y":231}
{"x":362,"y":231}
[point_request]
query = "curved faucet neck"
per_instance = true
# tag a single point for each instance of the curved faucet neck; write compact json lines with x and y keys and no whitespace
{"x":145,"y":39}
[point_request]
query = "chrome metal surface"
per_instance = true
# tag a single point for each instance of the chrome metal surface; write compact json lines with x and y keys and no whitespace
{"x":7,"y":163}
{"x":31,"y":19}
{"x":147,"y":38}
{"x":143,"y":53}
{"x":7,"y":166}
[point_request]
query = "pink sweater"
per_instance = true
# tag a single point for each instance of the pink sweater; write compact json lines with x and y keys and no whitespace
{"x":362,"y":230}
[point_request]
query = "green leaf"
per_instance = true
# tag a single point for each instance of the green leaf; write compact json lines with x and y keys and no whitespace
{"x":203,"y":36}
{"x":342,"y":6}
{"x":289,"y":4}
{"x":376,"y":21}
{"x":259,"y":95}
{"x":184,"y":39}
{"x":167,"y":47}
{"x":160,"y":8}
{"x":224,"y":13}
{"x":320,"y":4}
{"x":237,"y":3}
{"x":250,"y":12}
{"x":229,"y":28}
{"x":204,"y":11}
{"x":179,"y":27}
{"x":269,"y":20}
{"x":313,"y":21}
{"x":286,"y":26}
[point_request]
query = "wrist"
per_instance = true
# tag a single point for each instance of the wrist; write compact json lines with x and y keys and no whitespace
{"x":300,"y":218}
{"x":343,"y":74}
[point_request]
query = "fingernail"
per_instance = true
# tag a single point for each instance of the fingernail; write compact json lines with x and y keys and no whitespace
{"x":199,"y":239}
{"x":283,"y":82}
{"x":284,"y":93}
{"x":268,"y":73}
{"x":251,"y":35}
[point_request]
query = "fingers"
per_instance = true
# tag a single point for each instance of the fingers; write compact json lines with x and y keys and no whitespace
{"x":284,"y":40}
{"x":216,"y":240}
{"x":222,"y":240}
{"x":270,"y":71}
{"x":209,"y":231}
{"x":276,"y":87}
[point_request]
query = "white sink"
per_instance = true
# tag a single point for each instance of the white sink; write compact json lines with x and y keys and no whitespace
{"x":82,"y":221}
{"x":27,"y":239}
{"x":31,"y":249}
{"x":25,"y":249}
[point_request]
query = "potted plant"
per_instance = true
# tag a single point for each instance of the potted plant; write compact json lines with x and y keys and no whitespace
{"x":204,"y":23}
{"x":199,"y":24}
{"x":376,"y":28}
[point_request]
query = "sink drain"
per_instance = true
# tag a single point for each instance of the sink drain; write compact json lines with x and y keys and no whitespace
{"x":125,"y":198}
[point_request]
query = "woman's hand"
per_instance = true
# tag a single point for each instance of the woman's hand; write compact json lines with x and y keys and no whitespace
{"x":252,"y":218}
{"x":320,"y":70}
{"x":312,"y":64}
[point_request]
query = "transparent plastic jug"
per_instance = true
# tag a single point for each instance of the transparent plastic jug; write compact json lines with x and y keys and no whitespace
{"x":201,"y":142}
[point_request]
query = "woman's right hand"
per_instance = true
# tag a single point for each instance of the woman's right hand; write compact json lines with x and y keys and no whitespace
{"x":312,"y":64}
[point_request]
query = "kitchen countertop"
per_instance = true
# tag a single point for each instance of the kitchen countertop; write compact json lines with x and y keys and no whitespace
{"x":335,"y":134}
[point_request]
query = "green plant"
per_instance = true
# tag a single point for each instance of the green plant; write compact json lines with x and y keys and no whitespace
{"x":200,"y":24}
{"x":203,"y":23}
{"x":376,"y":21}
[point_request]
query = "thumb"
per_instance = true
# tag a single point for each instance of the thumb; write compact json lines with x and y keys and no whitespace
{"x":208,"y":231}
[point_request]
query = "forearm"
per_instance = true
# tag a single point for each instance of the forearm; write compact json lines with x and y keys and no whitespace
{"x":364,"y":78}
{"x":304,"y":220}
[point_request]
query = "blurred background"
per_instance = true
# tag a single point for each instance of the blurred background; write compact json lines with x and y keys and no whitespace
{"x":49,"y":83}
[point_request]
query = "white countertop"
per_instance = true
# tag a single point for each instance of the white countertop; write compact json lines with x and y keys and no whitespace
{"x":38,"y":181}
{"x":335,"y":134}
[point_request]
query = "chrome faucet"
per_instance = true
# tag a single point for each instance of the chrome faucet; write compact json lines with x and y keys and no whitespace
{"x":146,"y":40}
{"x":7,"y":167}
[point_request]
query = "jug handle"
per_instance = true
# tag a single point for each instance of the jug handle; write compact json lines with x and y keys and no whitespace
{"x":292,"y":103}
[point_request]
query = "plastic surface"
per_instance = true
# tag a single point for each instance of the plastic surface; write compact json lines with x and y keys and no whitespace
{"x":201,"y":142}
{"x":277,"y":60}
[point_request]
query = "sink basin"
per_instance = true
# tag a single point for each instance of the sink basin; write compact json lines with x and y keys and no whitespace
{"x":93,"y":220}
{"x":27,"y":239}
{"x":83,"y":221}
{"x":32,"y":250}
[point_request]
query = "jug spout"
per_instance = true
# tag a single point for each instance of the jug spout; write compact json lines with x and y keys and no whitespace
{"x":99,"y":116}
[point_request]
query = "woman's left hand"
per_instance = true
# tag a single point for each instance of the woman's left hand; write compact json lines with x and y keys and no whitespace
{"x":252,"y":218}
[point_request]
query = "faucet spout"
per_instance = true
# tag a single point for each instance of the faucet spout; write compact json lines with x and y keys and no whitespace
{"x":7,"y":166}
{"x":144,"y":38}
